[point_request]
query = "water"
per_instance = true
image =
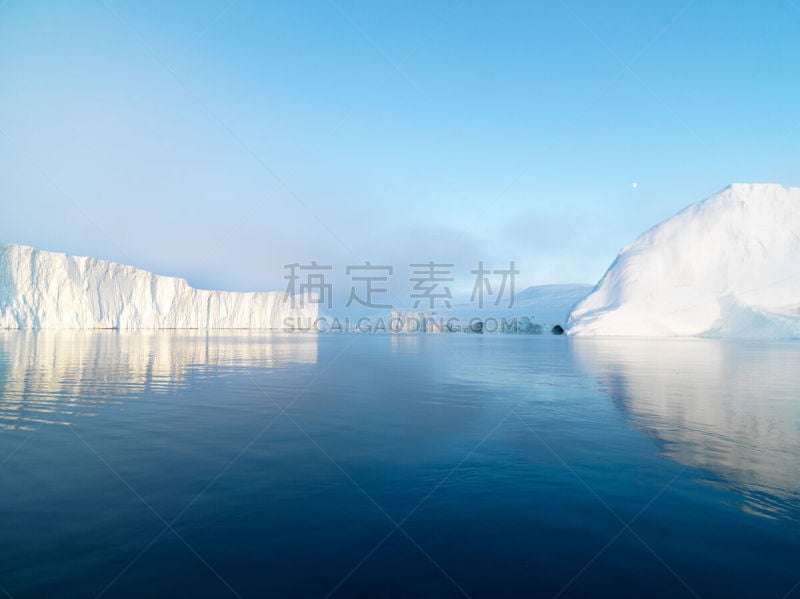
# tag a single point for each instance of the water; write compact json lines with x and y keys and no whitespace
{"x":178,"y":464}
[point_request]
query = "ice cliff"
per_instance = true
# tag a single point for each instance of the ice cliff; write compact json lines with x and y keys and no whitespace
{"x":727,"y":266}
{"x":49,"y":290}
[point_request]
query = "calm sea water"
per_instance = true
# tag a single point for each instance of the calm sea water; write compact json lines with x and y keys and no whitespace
{"x":252,"y":465}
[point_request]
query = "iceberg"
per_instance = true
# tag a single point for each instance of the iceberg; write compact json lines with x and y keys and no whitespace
{"x":727,"y":266}
{"x":417,"y":322}
{"x":51,"y":290}
{"x":535,"y":308}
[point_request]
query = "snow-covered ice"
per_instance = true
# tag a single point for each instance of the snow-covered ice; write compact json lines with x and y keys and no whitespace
{"x":544,"y":305}
{"x":50,"y":290}
{"x":727,"y":266}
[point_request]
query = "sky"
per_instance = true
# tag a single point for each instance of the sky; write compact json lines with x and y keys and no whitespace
{"x":219,"y":141}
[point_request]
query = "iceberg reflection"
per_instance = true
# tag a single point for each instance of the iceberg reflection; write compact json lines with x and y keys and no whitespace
{"x":731,"y":409}
{"x":49,"y":377}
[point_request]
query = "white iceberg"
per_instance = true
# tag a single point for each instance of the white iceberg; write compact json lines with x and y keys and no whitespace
{"x":728,"y":266}
{"x":541,"y":306}
{"x":50,"y":290}
{"x":417,"y":322}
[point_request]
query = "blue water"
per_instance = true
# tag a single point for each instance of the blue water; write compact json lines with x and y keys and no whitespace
{"x":253,"y":465}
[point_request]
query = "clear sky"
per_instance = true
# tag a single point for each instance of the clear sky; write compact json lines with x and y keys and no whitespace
{"x":221,"y":140}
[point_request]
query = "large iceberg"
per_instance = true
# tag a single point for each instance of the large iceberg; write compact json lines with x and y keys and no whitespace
{"x":727,"y":266}
{"x":50,"y":290}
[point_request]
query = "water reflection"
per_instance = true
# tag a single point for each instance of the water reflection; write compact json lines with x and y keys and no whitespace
{"x":730,"y":409}
{"x":50,"y":377}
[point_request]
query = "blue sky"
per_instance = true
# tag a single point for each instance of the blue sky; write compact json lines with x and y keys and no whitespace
{"x":221,"y":140}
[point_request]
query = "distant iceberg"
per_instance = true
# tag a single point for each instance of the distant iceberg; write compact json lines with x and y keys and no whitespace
{"x":50,"y":290}
{"x":534,"y":309}
{"x":550,"y":305}
{"x":728,"y":266}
